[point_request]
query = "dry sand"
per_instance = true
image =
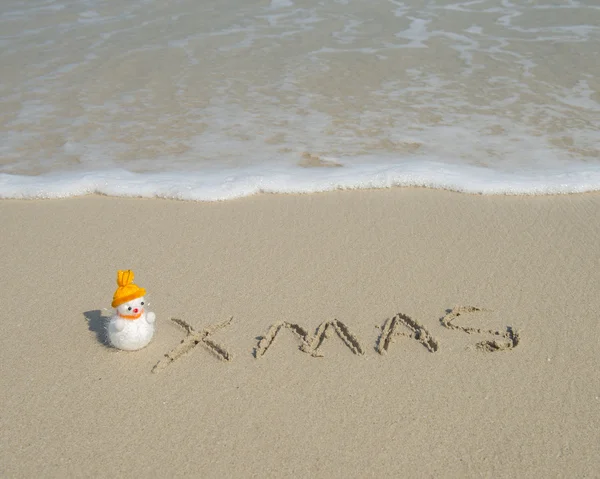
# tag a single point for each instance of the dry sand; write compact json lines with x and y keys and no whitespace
{"x":317,"y":375}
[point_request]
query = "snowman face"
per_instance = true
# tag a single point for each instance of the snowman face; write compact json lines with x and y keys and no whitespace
{"x":133,"y":307}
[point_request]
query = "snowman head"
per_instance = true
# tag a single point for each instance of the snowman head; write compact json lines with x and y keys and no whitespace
{"x":132,"y":309}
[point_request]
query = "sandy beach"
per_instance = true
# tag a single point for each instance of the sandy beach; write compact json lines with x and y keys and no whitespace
{"x":343,"y":358}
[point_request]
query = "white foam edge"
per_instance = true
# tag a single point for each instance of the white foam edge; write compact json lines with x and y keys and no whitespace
{"x":239,"y":182}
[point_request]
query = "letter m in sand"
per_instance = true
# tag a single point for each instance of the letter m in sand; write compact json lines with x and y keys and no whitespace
{"x":310,"y":344}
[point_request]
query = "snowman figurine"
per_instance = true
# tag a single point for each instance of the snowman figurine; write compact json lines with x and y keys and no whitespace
{"x":132,"y":327}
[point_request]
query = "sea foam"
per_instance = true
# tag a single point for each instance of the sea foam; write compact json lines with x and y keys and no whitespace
{"x":236,"y":183}
{"x":202,"y":101}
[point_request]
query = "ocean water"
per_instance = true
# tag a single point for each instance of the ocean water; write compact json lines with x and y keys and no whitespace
{"x":211,"y":100}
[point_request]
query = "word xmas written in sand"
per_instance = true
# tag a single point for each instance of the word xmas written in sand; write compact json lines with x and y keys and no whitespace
{"x":399,"y":325}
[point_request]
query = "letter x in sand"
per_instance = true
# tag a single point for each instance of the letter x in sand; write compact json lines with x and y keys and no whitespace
{"x":193,"y":339}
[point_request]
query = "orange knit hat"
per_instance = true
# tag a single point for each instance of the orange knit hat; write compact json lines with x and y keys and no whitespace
{"x":126,"y":290}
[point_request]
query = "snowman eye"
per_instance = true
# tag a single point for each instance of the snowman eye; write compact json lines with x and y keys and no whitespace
{"x":142,"y":303}
{"x":129,"y":309}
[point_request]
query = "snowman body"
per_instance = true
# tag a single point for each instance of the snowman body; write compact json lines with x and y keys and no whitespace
{"x":132,"y":327}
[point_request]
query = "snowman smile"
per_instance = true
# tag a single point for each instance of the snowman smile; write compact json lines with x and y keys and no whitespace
{"x":131,"y":317}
